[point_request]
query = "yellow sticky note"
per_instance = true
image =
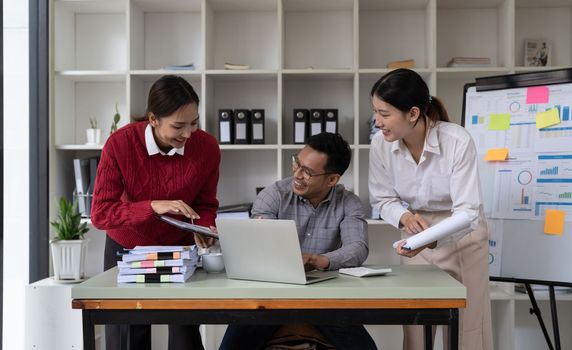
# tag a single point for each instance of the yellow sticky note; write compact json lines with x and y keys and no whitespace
{"x":496,"y":154}
{"x":547,"y":118}
{"x":554,"y":222}
{"x":499,"y":121}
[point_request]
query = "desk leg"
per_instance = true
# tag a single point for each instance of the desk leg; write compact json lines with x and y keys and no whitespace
{"x":88,"y":331}
{"x":428,"y":334}
{"x":454,"y":330}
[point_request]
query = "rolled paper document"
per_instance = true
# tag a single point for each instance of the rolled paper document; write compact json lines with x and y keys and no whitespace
{"x":455,"y":223}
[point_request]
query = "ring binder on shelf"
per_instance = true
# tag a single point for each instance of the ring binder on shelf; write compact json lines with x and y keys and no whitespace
{"x":257,"y":122}
{"x":331,"y":120}
{"x":225,"y":126}
{"x":300,"y":125}
{"x":316,"y":121}
{"x":241,"y":126}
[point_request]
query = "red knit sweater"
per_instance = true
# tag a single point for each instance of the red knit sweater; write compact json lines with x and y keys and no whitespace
{"x":128,"y":179}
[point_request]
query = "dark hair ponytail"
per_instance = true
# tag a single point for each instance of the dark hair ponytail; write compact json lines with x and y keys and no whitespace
{"x":167,"y":95}
{"x":436,"y":110}
{"x":404,"y":89}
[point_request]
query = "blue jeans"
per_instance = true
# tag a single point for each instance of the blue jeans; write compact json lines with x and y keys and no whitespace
{"x":242,"y":337}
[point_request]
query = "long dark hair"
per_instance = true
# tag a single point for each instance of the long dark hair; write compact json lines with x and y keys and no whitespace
{"x":404,"y":89}
{"x":168,"y":94}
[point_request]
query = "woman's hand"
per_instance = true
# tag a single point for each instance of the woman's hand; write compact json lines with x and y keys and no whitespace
{"x":177,"y":207}
{"x":413,"y":223}
{"x":204,"y":241}
{"x":411,"y":253}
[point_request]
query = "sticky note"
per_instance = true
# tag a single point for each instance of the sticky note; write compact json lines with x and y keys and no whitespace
{"x":547,"y":118}
{"x":554,"y":222}
{"x":499,"y":121}
{"x":496,"y":154}
{"x":537,"y":94}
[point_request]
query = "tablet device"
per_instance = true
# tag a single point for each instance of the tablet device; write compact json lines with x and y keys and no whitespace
{"x":205,"y":231}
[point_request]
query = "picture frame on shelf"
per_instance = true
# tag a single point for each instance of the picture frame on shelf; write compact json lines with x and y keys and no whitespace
{"x":537,"y":53}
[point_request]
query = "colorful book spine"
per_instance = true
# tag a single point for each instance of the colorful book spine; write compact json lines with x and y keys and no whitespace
{"x":151,"y":263}
{"x":155,"y":278}
{"x":161,"y":270}
{"x":157,"y":256}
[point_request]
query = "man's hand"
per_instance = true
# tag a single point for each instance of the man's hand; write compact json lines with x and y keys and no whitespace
{"x":174,"y":207}
{"x":315,"y":261}
{"x":413,"y":223}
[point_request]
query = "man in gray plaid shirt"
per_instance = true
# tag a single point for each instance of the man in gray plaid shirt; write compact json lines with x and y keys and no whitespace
{"x":331,"y":228}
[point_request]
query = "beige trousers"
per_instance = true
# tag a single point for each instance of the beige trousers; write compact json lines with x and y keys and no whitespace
{"x":466,"y":260}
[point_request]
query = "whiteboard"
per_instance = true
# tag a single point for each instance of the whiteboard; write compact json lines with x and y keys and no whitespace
{"x":501,"y":112}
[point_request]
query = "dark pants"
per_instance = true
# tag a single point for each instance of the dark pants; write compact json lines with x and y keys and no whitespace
{"x":138,"y":337}
{"x":241,"y":337}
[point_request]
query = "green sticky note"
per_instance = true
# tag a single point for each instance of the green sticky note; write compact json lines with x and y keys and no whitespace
{"x":165,"y":278}
{"x":499,"y":121}
{"x":140,"y":278}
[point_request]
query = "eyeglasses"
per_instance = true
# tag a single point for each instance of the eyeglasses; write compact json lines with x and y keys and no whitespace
{"x":305,"y":171}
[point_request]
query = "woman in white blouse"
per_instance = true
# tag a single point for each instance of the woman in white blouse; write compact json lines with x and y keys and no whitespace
{"x":423,"y":169}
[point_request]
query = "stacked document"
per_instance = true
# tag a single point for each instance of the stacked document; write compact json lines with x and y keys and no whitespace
{"x":157,"y":264}
{"x":469,"y":62}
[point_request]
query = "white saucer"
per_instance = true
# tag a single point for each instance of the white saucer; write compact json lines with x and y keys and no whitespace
{"x":68,"y":281}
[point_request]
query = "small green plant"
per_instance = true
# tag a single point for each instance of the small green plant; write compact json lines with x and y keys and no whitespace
{"x":93,"y":123}
{"x":116,"y":118}
{"x":68,"y":225}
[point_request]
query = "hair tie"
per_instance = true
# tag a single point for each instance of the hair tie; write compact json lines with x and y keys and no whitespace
{"x":430,"y":98}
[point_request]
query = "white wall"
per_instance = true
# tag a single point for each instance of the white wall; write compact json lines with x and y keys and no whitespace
{"x":16,"y":177}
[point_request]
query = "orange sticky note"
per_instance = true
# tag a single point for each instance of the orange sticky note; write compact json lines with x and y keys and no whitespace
{"x":496,"y":154}
{"x":554,"y":222}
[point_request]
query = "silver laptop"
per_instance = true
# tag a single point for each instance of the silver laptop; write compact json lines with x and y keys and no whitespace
{"x":265,"y":250}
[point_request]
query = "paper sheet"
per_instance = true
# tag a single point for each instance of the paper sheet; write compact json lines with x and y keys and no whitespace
{"x":455,"y":223}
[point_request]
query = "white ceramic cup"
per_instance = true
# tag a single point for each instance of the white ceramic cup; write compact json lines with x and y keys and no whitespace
{"x":213,"y":262}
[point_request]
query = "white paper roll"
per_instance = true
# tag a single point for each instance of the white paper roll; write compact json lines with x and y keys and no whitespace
{"x":455,"y":223}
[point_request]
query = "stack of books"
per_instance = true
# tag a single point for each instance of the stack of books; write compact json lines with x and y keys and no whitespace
{"x":469,"y":62}
{"x":410,"y":63}
{"x":158,"y":264}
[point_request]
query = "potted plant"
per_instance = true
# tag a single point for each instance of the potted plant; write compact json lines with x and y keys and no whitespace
{"x":116,"y":118}
{"x":68,"y":248}
{"x":93,"y":134}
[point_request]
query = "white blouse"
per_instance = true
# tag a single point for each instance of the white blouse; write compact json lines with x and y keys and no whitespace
{"x":446,"y":177}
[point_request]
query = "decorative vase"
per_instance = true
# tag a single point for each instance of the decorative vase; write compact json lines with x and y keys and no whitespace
{"x":68,"y":259}
{"x":93,"y":136}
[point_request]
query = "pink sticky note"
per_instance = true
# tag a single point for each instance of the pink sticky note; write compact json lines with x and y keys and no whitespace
{"x":537,"y":94}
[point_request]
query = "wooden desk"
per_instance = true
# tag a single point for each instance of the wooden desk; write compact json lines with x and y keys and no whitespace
{"x":414,"y":294}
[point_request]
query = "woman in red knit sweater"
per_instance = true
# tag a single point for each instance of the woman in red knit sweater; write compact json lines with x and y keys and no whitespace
{"x":162,"y":165}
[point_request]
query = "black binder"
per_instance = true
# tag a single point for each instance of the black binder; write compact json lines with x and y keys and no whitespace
{"x":316,"y":121}
{"x":301,"y":118}
{"x":331,"y":120}
{"x":242,"y":126}
{"x":225,"y":126}
{"x":257,"y":123}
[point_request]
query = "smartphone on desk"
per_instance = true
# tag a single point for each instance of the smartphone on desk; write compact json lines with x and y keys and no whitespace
{"x":205,"y":231}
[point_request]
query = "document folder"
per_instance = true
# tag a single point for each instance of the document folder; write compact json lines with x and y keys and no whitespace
{"x":225,"y":126}
{"x":331,"y":120}
{"x":257,"y":122}
{"x":300,"y":125}
{"x":316,"y":121}
{"x":241,"y":126}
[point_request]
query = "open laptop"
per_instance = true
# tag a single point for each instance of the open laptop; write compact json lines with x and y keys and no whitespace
{"x":265,"y":250}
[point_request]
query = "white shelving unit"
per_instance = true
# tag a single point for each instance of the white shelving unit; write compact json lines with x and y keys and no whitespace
{"x":302,"y":54}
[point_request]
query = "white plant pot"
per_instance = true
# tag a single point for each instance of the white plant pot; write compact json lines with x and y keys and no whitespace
{"x":93,"y":136}
{"x":68,"y":258}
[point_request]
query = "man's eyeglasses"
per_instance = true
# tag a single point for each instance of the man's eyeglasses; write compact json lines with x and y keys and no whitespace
{"x":306,"y":173}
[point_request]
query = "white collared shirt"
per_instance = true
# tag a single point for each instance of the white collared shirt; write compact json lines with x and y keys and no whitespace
{"x":446,"y":178}
{"x":152,"y":147}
